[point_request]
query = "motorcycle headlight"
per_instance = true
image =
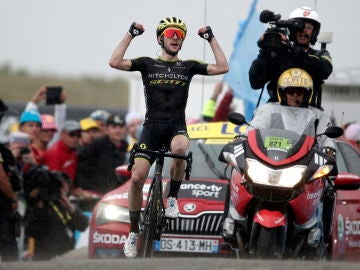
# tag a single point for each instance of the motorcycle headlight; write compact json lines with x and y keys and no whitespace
{"x":109,"y":212}
{"x":263,"y":175}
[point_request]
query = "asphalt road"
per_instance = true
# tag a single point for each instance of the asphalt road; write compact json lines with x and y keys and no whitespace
{"x":76,"y":260}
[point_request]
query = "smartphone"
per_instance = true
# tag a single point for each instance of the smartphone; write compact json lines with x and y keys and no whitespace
{"x":53,"y":94}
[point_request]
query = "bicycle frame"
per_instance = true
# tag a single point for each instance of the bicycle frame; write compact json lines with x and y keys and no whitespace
{"x":153,"y":223}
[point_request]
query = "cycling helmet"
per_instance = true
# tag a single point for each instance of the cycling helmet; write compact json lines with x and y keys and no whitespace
{"x":298,"y":78}
{"x":306,"y":14}
{"x":170,"y":22}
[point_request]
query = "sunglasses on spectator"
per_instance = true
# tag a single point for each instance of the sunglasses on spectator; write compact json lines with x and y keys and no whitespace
{"x":171,"y":32}
{"x":298,"y":91}
{"x":74,"y":134}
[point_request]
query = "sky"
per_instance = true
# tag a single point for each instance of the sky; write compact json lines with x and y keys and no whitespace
{"x":77,"y":37}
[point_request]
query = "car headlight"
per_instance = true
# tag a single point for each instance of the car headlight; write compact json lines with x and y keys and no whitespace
{"x":109,"y":212}
{"x":263,"y":175}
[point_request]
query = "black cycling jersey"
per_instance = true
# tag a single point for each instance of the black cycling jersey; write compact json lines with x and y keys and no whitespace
{"x":166,"y":87}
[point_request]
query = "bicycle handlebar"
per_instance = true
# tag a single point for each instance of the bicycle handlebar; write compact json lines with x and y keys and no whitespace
{"x":163,"y":152}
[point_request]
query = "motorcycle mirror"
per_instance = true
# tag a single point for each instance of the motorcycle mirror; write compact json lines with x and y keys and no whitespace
{"x":325,"y":37}
{"x":237,"y":118}
{"x":333,"y":132}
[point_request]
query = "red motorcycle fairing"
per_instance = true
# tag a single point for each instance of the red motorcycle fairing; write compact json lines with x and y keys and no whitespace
{"x":239,"y":196}
{"x":305,"y":148}
{"x":270,"y":219}
{"x":305,"y":205}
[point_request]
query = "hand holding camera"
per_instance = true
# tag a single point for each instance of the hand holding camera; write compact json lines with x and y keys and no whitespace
{"x":276,"y":36}
{"x":50,"y":94}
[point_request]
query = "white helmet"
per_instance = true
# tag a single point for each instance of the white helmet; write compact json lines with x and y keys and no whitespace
{"x":306,"y":14}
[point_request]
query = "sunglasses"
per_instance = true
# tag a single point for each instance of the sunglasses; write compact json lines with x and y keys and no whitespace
{"x":73,"y":134}
{"x":171,"y":32}
{"x":298,"y":91}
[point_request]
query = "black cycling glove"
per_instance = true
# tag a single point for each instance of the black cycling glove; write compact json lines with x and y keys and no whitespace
{"x":133,"y":31}
{"x":208,"y":34}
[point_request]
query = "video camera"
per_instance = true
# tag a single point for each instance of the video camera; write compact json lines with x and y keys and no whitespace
{"x":48,"y":182}
{"x":272,"y":38}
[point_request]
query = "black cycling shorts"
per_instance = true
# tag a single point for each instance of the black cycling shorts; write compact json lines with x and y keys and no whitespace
{"x":156,"y":135}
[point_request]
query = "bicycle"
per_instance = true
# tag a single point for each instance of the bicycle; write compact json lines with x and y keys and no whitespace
{"x":153,"y":222}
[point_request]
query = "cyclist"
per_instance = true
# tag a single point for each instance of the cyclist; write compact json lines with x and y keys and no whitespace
{"x":166,"y":82}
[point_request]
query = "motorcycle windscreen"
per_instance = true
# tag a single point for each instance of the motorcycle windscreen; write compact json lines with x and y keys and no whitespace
{"x":279,"y":144}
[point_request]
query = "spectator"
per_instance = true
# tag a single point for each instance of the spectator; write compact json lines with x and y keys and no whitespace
{"x":59,"y":110}
{"x":97,"y":161}
{"x":215,"y":112}
{"x":134,"y":121}
{"x":100,"y":116}
{"x":54,"y":214}
{"x":224,"y":107}
{"x":47,"y":132}
{"x":30,"y":123}
{"x":62,"y":155}
{"x":17,"y":142}
{"x":8,"y":206}
{"x":89,"y":131}
{"x":352,"y":135}
{"x":208,"y":111}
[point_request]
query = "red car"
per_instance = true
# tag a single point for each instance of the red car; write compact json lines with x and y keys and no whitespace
{"x":346,"y":225}
{"x":198,"y":230}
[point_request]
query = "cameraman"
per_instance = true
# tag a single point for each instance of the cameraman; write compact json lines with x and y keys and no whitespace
{"x":52,"y":212}
{"x":293,"y":51}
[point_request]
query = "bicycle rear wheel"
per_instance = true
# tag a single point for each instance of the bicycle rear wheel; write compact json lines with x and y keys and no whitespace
{"x":151,"y":218}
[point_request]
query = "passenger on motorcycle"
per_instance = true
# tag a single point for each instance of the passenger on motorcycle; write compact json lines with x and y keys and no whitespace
{"x":166,"y":82}
{"x":295,"y":52}
{"x":293,"y":111}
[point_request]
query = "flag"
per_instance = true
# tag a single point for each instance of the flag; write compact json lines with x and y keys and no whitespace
{"x":245,"y":51}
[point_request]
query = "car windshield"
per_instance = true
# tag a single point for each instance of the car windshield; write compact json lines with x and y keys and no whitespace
{"x":348,"y":159}
{"x":205,"y":160}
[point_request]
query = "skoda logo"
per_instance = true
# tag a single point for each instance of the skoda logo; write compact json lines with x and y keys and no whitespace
{"x":189,"y":207}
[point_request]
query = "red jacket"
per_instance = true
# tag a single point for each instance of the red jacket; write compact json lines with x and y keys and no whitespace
{"x":60,"y":157}
{"x":223,"y":108}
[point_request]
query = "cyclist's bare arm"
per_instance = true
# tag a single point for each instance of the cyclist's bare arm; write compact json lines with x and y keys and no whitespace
{"x":117,"y":58}
{"x":221,"y":66}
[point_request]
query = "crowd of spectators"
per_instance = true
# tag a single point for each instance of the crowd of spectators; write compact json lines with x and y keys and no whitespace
{"x":58,"y":168}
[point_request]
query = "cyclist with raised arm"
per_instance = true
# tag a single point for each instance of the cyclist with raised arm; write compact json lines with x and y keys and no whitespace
{"x":166,"y":82}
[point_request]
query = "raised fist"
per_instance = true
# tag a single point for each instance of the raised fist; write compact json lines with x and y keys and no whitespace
{"x":206,"y":33}
{"x":136,"y":29}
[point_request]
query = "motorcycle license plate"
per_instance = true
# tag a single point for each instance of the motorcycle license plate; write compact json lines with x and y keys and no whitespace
{"x":187,"y":245}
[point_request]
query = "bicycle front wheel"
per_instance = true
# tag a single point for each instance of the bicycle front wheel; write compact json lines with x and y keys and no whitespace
{"x":151,"y":218}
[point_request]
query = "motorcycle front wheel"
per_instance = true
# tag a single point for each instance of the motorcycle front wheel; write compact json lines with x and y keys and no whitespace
{"x":270,"y":242}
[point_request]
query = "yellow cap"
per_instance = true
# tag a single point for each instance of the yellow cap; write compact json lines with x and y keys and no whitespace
{"x":88,"y":123}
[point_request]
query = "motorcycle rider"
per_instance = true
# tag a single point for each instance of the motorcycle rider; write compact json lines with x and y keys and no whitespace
{"x":294,"y":112}
{"x":295,"y":52}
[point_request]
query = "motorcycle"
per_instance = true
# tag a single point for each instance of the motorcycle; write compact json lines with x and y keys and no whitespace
{"x":276,"y":191}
